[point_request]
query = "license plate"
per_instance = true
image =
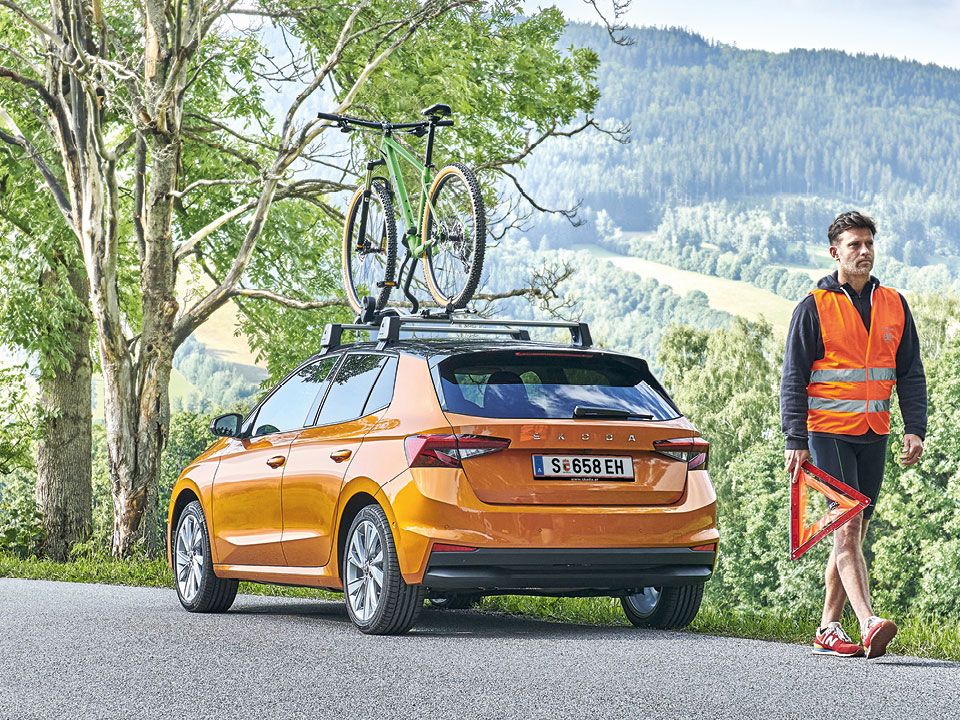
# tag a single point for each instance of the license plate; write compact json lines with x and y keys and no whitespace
{"x":598,"y":467}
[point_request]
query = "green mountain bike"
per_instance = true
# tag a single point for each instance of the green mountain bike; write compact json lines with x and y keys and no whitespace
{"x":449,"y":237}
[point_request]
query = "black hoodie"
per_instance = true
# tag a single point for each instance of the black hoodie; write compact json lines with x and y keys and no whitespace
{"x":805,"y":346}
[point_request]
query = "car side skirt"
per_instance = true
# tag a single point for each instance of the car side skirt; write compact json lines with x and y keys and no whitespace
{"x":320,"y":577}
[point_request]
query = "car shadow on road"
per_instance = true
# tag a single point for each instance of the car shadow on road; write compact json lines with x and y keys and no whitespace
{"x":453,"y":624}
{"x":457,"y":624}
{"x":288,"y":607}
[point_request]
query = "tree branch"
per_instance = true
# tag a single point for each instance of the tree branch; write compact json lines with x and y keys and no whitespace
{"x":620,"y":134}
{"x":229,"y":130}
{"x":615,"y":26}
{"x":286,"y":301}
{"x":36,"y":25}
{"x":233,"y":152}
{"x":59,"y":196}
{"x":300,"y":188}
{"x":570,"y":213}
{"x":315,"y":127}
{"x":332,"y":59}
{"x":49,"y":100}
{"x":542,"y":287}
{"x":34,"y":68}
{"x":210,"y":183}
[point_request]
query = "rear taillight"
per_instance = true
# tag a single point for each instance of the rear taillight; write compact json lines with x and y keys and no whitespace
{"x":449,"y":450}
{"x":692,"y":451}
{"x":712,"y":547}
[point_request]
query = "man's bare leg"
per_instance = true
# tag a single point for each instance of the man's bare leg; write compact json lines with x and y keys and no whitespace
{"x":835,"y":596}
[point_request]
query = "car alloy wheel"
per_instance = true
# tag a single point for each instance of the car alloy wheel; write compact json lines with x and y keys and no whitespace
{"x":198,"y":587}
{"x":365,"y":570}
{"x":189,"y":558}
{"x":644,"y":603}
{"x":379,"y":601}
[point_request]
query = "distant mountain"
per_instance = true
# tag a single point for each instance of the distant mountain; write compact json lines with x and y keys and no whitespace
{"x":806,"y":131}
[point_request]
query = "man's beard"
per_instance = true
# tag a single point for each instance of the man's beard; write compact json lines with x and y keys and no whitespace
{"x":854,"y":268}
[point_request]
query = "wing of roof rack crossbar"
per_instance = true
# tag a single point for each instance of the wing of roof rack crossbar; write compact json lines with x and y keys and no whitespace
{"x":390,"y":326}
{"x":333,"y":334}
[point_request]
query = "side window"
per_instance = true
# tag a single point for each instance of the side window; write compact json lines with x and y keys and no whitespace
{"x":289,"y":406}
{"x":382,"y":392}
{"x":350,"y":388}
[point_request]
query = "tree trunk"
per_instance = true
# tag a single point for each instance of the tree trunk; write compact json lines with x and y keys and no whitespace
{"x":134,"y":448}
{"x":64,"y":448}
{"x":141,"y":388}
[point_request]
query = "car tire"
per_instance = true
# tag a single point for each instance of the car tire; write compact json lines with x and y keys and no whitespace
{"x":370,"y":556}
{"x":664,"y":608}
{"x":198,"y":588}
{"x":455,"y":601}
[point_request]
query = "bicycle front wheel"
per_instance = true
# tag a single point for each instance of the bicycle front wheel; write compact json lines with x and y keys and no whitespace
{"x":454,"y":233}
{"x":369,"y":262}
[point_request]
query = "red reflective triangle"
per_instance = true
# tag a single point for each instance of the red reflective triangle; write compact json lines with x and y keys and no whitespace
{"x":803,"y":535}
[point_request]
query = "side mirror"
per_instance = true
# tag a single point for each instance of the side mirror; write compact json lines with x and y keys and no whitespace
{"x":226,"y":425}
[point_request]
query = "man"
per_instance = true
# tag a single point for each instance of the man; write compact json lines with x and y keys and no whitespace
{"x":850,"y":341}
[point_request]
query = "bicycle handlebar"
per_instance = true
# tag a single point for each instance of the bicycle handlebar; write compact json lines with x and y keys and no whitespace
{"x":344,"y":120}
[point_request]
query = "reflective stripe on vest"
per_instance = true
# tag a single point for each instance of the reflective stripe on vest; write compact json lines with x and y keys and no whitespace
{"x":849,"y":390}
{"x":848,"y":406}
{"x":853,"y":375}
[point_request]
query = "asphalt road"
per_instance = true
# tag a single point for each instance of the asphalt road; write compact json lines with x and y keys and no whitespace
{"x":93,"y":651}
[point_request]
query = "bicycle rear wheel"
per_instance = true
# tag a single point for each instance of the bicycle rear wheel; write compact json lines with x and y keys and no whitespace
{"x":454,"y":231}
{"x":369,"y":263}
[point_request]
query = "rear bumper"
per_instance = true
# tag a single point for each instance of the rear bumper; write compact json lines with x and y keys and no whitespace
{"x":561,"y":571}
{"x":438,"y":505}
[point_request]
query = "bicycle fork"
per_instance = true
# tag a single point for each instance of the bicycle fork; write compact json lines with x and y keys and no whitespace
{"x":365,"y":204}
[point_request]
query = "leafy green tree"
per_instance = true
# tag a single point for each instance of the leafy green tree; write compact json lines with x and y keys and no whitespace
{"x":162,"y":156}
{"x":21,"y":525}
{"x":43,"y":314}
{"x":727,"y":380}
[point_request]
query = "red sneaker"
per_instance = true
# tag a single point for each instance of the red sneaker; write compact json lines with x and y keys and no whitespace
{"x":832,"y":640}
{"x":877,"y":634}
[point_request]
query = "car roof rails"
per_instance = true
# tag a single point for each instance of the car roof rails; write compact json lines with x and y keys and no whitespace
{"x":390,"y":326}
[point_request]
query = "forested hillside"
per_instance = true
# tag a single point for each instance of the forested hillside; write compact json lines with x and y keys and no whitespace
{"x":802,"y":135}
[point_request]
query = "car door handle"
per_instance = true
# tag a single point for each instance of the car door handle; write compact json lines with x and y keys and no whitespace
{"x":276,"y":461}
{"x":340,"y":455}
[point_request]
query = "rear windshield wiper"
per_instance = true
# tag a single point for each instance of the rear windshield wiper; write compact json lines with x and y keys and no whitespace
{"x":586,"y":411}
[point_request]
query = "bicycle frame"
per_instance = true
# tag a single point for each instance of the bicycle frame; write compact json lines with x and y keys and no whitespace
{"x":392,"y":153}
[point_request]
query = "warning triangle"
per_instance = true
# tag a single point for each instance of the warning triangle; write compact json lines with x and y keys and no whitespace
{"x":847,"y":503}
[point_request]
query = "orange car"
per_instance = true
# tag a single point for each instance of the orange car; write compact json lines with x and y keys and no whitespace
{"x":448,"y":469}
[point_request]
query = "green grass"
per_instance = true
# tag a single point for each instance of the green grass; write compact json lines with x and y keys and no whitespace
{"x":922,"y":637}
{"x":733,"y":296}
{"x":136,"y":573}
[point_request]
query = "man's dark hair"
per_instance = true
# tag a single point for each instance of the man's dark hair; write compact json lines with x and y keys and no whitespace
{"x":847,"y":220}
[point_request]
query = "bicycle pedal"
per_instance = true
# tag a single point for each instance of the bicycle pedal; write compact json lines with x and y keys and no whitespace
{"x":386,"y":283}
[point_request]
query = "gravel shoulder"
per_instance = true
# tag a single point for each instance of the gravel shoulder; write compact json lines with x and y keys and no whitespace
{"x":95,"y":651}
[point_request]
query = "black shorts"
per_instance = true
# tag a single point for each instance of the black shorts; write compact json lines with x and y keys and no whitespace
{"x":859,"y":465}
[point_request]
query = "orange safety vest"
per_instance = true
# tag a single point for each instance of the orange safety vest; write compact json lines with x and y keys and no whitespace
{"x":849,"y":390}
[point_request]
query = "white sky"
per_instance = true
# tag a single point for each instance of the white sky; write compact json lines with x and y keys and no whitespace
{"x":924,"y":30}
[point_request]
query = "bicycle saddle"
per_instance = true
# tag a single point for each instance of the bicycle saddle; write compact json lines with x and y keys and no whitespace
{"x":437,"y":110}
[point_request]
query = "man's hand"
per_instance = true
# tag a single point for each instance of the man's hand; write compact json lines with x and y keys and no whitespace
{"x":912,"y":449}
{"x":796,"y":458}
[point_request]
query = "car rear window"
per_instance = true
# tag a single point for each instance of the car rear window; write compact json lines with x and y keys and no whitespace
{"x":549,"y":385}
